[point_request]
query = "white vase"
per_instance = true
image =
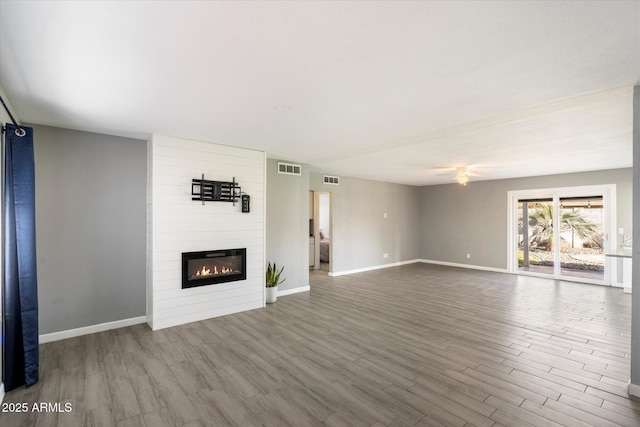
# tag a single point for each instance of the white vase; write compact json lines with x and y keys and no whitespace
{"x":272,"y":294}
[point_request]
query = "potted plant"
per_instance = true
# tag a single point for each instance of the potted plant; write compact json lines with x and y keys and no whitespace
{"x":272,"y":281}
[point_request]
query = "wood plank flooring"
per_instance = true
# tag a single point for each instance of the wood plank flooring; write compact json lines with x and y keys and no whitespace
{"x":415,"y":345}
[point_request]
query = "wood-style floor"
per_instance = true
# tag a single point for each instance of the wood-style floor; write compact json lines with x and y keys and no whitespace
{"x":414,"y":345}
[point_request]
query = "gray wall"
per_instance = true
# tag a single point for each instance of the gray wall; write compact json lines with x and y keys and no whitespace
{"x":360,"y":233}
{"x":90,"y":227}
{"x":287,"y":227}
{"x":457,"y":220}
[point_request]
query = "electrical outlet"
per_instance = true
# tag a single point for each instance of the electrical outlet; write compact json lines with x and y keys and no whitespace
{"x":468,"y":256}
{"x":385,"y":255}
{"x":384,"y":215}
{"x":245,"y":203}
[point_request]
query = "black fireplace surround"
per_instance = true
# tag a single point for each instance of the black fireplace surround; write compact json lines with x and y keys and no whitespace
{"x":213,"y":267}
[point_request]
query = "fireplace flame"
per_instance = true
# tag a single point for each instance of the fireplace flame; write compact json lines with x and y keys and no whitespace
{"x":204,"y":271}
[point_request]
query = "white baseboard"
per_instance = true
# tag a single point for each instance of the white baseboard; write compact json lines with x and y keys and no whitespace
{"x":71,"y":333}
{"x":375,"y":267}
{"x":1,"y":392}
{"x":633,"y":390}
{"x":294,"y":290}
{"x":471,"y":266}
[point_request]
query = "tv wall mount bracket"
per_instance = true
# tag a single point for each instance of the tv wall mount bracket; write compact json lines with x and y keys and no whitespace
{"x":215,"y":191}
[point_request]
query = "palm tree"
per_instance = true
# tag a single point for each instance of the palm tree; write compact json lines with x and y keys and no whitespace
{"x":541,"y":226}
{"x":575,"y":222}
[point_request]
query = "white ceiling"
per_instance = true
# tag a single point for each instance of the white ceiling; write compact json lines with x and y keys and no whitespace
{"x":378,"y":90}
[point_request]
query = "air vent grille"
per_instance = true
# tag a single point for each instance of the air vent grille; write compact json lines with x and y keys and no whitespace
{"x":333,"y":180}
{"x":289,"y":169}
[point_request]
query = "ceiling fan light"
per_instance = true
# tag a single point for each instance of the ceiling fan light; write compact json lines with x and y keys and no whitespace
{"x":462,"y":179}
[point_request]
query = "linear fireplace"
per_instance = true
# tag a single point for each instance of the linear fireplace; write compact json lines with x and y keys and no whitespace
{"x":213,"y":267}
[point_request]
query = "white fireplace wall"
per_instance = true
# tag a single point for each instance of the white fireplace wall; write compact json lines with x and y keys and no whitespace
{"x":177,"y":224}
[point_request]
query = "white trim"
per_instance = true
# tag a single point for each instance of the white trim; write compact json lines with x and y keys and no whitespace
{"x":86,"y":330}
{"x":375,"y":267}
{"x":469,"y":266}
{"x":633,"y":390}
{"x":294,"y":290}
{"x":1,"y":392}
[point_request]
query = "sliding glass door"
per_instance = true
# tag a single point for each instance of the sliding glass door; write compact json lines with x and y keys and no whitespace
{"x":582,"y":237}
{"x":535,"y":236}
{"x":562,"y":233}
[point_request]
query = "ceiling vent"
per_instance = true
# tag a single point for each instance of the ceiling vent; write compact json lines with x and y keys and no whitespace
{"x":289,"y":169}
{"x":333,"y":180}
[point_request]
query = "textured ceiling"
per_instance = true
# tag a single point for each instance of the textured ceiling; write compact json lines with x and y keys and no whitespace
{"x":379,"y":90}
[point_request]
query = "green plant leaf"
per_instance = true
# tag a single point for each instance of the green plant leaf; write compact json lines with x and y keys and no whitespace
{"x":272,"y":276}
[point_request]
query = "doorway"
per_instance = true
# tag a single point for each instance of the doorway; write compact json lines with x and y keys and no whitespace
{"x":563,"y":233}
{"x":320,"y":230}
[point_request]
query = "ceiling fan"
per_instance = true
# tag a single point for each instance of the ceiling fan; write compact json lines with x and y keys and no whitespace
{"x":460,"y":174}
